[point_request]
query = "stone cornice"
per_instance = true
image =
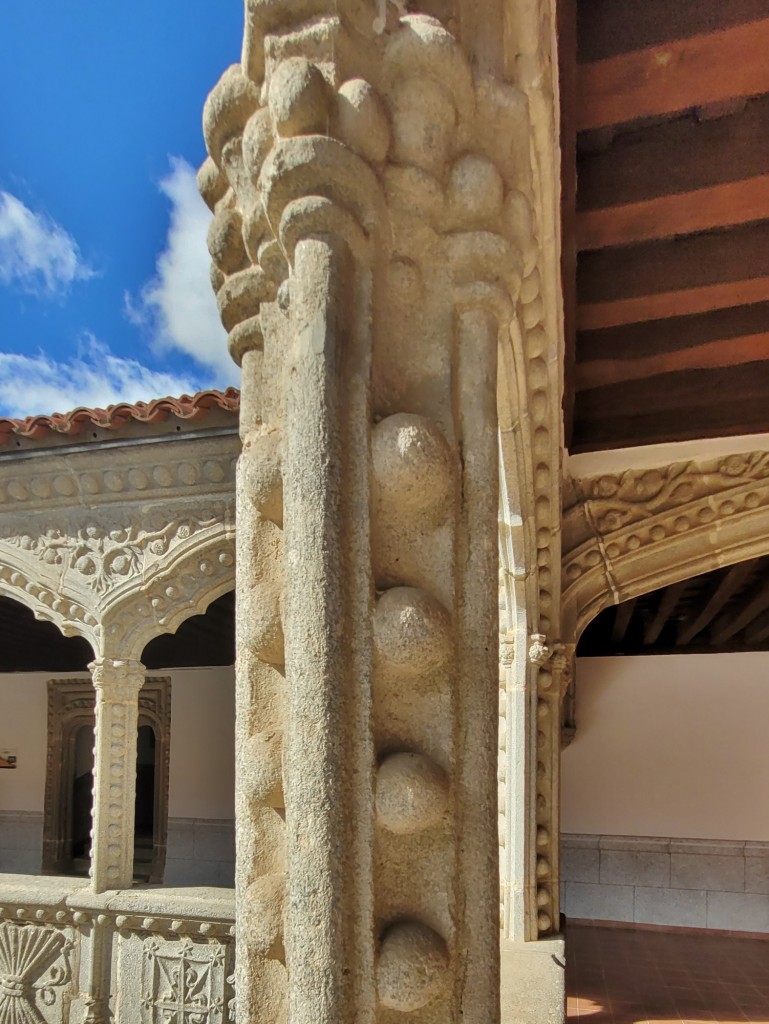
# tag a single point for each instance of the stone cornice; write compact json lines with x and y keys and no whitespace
{"x":106,"y":476}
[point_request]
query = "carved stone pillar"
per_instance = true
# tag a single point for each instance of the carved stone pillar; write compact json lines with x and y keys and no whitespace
{"x":367,"y":261}
{"x":117,"y":685}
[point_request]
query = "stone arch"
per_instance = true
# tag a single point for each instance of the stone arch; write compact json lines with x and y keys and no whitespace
{"x":179,"y":586}
{"x":529,"y":552}
{"x":49,"y":601}
{"x":628,"y":534}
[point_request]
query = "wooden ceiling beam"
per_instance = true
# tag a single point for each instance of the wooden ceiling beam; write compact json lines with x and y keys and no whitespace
{"x":727,"y":626}
{"x":728,"y":584}
{"x":608,"y":27}
{"x":596,"y":429}
{"x":712,"y":355}
{"x":704,"y":209}
{"x":675,"y":157}
{"x":668,"y":600}
{"x":593,"y":316}
{"x":672,"y":77}
{"x":622,"y":617}
{"x":758,"y":631}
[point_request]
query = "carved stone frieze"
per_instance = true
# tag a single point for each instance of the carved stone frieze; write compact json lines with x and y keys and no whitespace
{"x":122,"y":576}
{"x":166,"y":471}
{"x":105,"y":558}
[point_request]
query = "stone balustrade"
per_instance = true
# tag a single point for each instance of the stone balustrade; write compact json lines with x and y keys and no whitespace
{"x":141,"y":955}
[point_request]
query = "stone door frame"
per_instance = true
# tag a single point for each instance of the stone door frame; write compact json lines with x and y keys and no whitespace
{"x":71,"y":705}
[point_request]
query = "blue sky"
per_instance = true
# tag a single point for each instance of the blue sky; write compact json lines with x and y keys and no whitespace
{"x":104,"y":292}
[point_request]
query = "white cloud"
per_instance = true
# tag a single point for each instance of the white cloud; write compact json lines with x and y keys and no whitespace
{"x":36,"y":253}
{"x":32,"y":385}
{"x":177,"y":305}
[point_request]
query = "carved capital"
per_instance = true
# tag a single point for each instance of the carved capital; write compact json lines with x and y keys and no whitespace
{"x":117,"y":682}
{"x":539,"y":650}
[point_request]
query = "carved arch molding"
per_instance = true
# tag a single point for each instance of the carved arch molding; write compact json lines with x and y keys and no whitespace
{"x":116,"y":582}
{"x":626,"y":534}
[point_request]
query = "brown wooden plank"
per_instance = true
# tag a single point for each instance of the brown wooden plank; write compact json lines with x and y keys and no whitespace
{"x":676,"y":156}
{"x":738,"y":254}
{"x":688,"y":389}
{"x":671,"y":77}
{"x":566,"y":14}
{"x":675,"y":407}
{"x":731,"y":623}
{"x":720,"y":592}
{"x":726,"y":352}
{"x":636,"y":341}
{"x":669,"y":598}
{"x":718,"y":206}
{"x":643,"y":308}
{"x":593,"y":434}
{"x":608,"y":27}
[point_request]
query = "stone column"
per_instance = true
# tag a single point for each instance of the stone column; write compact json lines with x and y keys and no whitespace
{"x":366,"y":265}
{"x":117,"y":685}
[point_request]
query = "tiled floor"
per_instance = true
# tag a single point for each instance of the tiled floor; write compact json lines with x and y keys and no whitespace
{"x":630,"y":976}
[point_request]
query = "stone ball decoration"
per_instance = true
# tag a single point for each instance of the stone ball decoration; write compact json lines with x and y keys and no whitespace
{"x":411,"y":793}
{"x":264,"y":772}
{"x":412,"y":466}
{"x":412,"y":968}
{"x":265,"y":899}
{"x":412,"y":631}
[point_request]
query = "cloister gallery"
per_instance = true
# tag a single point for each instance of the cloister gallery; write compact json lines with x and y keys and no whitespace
{"x":488,"y":647}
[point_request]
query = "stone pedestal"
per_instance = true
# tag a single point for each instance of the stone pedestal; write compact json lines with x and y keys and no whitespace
{"x":533,"y":986}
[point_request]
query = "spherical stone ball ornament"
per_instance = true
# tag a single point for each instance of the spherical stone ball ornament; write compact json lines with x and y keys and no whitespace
{"x":260,"y":474}
{"x":412,"y":466}
{"x":411,"y":793}
{"x":412,"y":631}
{"x":412,"y":967}
{"x":263,"y":768}
{"x":264,"y":903}
{"x":261,"y":625}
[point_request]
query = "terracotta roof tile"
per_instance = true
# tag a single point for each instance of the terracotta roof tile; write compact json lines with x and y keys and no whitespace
{"x":186,"y":407}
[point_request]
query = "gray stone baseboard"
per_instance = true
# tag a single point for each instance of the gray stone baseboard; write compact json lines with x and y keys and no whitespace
{"x":21,"y":842}
{"x":693,"y":883}
{"x":201,"y":851}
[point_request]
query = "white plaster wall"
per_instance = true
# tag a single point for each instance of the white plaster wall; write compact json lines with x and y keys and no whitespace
{"x":23,"y":727}
{"x":674,"y":746}
{"x":202,"y":741}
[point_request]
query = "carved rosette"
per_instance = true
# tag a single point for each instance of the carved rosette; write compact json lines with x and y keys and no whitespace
{"x":117,"y":685}
{"x":372,"y":243}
